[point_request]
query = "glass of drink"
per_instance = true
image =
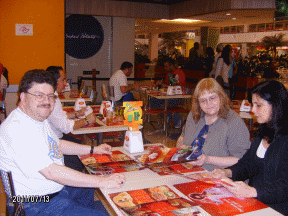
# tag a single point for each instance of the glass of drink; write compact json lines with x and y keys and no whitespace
{"x":109,"y":117}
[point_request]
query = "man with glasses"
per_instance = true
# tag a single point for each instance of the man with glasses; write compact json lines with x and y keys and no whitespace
{"x":33,"y":153}
{"x":62,"y":122}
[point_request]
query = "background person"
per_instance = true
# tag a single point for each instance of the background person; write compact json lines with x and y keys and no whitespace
{"x":63,"y":123}
{"x":265,"y":163}
{"x":3,"y":82}
{"x":122,"y":91}
{"x":224,"y":64}
{"x":33,"y":153}
{"x":219,"y":50}
{"x":209,"y":61}
{"x":220,"y":133}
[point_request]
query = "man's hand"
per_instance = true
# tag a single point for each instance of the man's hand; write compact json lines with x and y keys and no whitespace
{"x":91,"y":118}
{"x":81,"y":112}
{"x":112,"y":181}
{"x":103,"y":149}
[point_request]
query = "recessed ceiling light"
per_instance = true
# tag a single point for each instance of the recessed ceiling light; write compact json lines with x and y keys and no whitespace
{"x":234,"y":18}
{"x":228,"y":14}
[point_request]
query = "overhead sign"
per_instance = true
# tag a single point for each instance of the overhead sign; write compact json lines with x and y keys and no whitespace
{"x":84,"y":36}
{"x":24,"y":29}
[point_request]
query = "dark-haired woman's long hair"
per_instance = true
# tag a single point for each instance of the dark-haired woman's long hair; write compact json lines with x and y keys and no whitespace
{"x":226,"y":54}
{"x":275,"y":94}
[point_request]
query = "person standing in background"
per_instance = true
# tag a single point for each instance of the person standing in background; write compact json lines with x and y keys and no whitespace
{"x":209,"y":61}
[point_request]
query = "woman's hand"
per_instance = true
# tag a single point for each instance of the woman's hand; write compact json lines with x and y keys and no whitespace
{"x":239,"y":188}
{"x":221,"y":173}
{"x":201,"y":160}
{"x":180,"y":142}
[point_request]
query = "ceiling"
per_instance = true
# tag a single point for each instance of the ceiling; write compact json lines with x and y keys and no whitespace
{"x":212,"y":20}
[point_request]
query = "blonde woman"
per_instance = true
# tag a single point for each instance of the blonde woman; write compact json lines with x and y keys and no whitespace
{"x":217,"y":132}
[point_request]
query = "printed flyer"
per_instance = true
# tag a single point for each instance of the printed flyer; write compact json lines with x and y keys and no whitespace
{"x":168,"y":169}
{"x":116,"y":156}
{"x":168,"y":155}
{"x":217,"y":200}
{"x":152,"y":201}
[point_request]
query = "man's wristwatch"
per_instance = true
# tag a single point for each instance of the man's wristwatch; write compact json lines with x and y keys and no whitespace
{"x":92,"y":150}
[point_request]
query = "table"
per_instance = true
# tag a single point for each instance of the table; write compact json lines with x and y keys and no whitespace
{"x":102,"y":128}
{"x":65,"y":98}
{"x":166,"y":97}
{"x":244,"y":115}
{"x":152,"y":179}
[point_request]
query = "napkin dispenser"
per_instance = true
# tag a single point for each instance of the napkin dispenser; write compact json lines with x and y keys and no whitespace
{"x":67,"y":88}
{"x":245,"y":106}
{"x":171,"y":90}
{"x":80,"y":103}
{"x":178,"y":90}
{"x":133,"y":142}
{"x":107,"y":105}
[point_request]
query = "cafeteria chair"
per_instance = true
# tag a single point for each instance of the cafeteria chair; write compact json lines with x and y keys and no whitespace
{"x":178,"y":109}
{"x":88,"y":90}
{"x":7,"y":182}
{"x":148,"y":112}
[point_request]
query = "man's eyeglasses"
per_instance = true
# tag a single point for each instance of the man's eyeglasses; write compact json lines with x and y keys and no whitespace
{"x":41,"y":97}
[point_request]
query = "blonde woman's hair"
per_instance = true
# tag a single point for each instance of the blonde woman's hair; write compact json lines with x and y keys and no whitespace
{"x":212,"y":86}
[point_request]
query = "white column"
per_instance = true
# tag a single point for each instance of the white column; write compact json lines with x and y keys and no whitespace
{"x":244,"y":50}
{"x":153,"y":46}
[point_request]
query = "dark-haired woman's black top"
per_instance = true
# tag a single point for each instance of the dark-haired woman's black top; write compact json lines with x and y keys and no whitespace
{"x":269,"y":176}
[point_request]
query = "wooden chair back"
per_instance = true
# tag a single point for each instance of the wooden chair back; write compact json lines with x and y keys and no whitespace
{"x":7,"y":182}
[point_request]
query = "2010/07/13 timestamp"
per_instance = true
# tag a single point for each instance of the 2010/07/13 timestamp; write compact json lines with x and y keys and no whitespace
{"x":31,"y":198}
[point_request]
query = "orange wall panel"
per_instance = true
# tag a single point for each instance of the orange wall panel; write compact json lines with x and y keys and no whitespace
{"x":46,"y":47}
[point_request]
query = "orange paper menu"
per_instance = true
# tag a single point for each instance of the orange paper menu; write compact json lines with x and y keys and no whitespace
{"x":167,"y":169}
{"x":217,"y":200}
{"x":96,"y":158}
{"x":150,"y":201}
{"x":167,"y":155}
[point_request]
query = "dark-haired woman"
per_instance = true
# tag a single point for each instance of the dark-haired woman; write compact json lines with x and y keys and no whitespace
{"x":224,"y":64}
{"x":265,"y":164}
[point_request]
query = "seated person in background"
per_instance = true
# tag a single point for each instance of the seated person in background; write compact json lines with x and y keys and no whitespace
{"x":173,"y":73}
{"x":34,"y":154}
{"x":175,"y":76}
{"x":220,"y":134}
{"x":62,"y":122}
{"x":265,"y":163}
{"x":122,"y":91}
{"x":4,"y":83}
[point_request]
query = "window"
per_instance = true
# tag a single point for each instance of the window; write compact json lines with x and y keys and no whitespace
{"x":233,"y":29}
{"x":240,"y":29}
{"x":252,"y":28}
{"x":261,"y":27}
{"x":221,"y":30}
{"x":269,"y":26}
{"x":279,"y":26}
{"x":226,"y":30}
